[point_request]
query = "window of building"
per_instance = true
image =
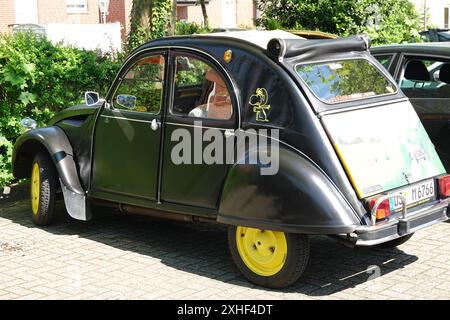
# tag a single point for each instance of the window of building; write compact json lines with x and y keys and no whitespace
{"x":77,"y":6}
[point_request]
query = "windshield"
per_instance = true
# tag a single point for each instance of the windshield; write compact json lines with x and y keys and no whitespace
{"x":345,"y":80}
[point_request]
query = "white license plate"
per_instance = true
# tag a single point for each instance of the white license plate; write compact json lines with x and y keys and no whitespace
{"x":415,"y":194}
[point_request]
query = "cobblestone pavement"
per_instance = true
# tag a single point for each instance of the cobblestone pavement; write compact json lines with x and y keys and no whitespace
{"x":133,"y":257}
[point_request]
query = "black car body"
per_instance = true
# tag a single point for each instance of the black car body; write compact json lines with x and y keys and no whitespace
{"x":423,"y":73}
{"x":118,"y":154}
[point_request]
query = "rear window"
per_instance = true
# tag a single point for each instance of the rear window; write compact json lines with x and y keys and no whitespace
{"x":346,"y":80}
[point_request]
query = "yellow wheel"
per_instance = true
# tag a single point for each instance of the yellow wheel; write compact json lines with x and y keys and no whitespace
{"x":35,"y":188}
{"x":268,"y":258}
{"x":42,"y":189}
{"x":263,"y":252}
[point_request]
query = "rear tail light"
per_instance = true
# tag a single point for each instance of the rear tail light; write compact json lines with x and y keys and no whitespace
{"x":383,"y":210}
{"x":444,"y":186}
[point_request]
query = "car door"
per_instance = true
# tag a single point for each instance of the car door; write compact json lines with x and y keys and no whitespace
{"x":202,"y":106}
{"x":127,"y":139}
{"x":425,"y":80}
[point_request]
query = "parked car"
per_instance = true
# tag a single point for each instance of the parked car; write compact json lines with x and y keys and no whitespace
{"x":349,"y":157}
{"x":436,"y":35}
{"x":423,"y":73}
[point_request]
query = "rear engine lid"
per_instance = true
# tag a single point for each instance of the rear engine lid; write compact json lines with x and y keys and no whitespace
{"x":382,"y":148}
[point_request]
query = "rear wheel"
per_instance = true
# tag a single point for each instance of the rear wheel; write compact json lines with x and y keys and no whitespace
{"x":396,"y":242}
{"x":267,"y":258}
{"x":43,"y":189}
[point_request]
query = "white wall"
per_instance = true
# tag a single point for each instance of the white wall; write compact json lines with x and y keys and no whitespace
{"x":105,"y":37}
{"x":26,"y":11}
{"x":435,"y":11}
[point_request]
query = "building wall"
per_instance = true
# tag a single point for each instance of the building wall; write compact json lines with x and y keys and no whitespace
{"x":244,"y":13}
{"x":128,"y":6}
{"x":119,"y":11}
{"x":213,"y":8}
{"x":436,"y":11}
{"x":7,"y":15}
{"x":55,"y":11}
{"x":116,"y":13}
{"x":182,"y":13}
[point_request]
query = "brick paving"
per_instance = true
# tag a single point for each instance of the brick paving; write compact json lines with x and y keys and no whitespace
{"x":134,"y":257}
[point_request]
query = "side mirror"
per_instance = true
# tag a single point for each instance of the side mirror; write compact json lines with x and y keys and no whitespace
{"x":28,"y":123}
{"x":127,"y":101}
{"x":91,"y":98}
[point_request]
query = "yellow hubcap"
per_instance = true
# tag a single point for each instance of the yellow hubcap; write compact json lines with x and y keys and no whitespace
{"x":263,"y":252}
{"x":35,"y":188}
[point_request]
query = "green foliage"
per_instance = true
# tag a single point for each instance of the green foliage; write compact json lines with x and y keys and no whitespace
{"x":186,"y":28}
{"x":192,"y":73}
{"x":38,"y":79}
{"x":385,"y":21}
{"x":145,"y":82}
{"x":149,"y":20}
{"x":5,"y":160}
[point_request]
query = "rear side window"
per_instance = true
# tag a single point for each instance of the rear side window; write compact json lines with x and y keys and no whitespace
{"x":200,"y":91}
{"x":346,"y":80}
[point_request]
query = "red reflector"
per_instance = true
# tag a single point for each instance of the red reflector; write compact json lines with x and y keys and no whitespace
{"x":383,"y":209}
{"x":372,"y":203}
{"x":444,"y":186}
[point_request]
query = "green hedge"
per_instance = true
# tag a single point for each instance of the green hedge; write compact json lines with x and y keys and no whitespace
{"x":38,"y":79}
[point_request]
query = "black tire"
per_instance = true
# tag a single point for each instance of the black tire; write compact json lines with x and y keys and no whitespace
{"x":396,"y":242}
{"x":295,"y":263}
{"x":47,"y":190}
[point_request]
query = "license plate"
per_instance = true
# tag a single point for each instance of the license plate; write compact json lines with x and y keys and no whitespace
{"x":416,"y":194}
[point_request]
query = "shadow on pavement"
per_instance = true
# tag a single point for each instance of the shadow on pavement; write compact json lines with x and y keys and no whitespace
{"x":202,"y":249}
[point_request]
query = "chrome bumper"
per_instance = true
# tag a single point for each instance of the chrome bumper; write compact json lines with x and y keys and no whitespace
{"x":408,"y":223}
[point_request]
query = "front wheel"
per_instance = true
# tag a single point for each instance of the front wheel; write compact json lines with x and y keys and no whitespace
{"x":267,"y":258}
{"x":43,"y":189}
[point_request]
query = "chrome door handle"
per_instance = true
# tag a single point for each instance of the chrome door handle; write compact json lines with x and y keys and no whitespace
{"x":155,"y":124}
{"x":228,"y":133}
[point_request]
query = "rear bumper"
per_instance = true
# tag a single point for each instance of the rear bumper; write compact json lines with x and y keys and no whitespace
{"x":414,"y":221}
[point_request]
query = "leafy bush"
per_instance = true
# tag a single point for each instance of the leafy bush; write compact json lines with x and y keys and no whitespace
{"x":38,"y":79}
{"x":185,"y":28}
{"x":139,"y":35}
{"x":385,"y":21}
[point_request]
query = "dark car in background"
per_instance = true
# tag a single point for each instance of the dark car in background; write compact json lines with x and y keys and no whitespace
{"x":422,"y":71}
{"x":436,"y":35}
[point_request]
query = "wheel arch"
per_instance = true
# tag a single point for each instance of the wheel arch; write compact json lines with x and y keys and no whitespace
{"x":300,"y":198}
{"x":54,"y":141}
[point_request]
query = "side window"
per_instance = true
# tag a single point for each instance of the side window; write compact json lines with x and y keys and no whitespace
{"x":426,"y":78}
{"x":200,"y":91}
{"x":141,"y":88}
{"x":385,"y":60}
